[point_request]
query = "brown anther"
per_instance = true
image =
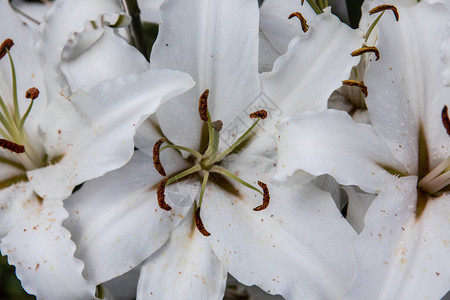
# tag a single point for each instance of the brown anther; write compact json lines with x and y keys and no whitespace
{"x":160,"y":193}
{"x":32,"y":93}
{"x":217,"y":125}
{"x":384,"y":7}
{"x":266,"y":197}
{"x":445,"y":119}
{"x":366,"y":49}
{"x":11,"y":146}
{"x":199,"y":223}
{"x":203,"y":106}
{"x":5,"y":47}
{"x":261,"y":114}
{"x":305,"y":26}
{"x":303,"y":1}
{"x":156,"y":162}
{"x":359,"y":84}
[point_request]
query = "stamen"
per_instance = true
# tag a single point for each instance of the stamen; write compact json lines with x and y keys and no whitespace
{"x":266,"y":197}
{"x":5,"y":47}
{"x":445,"y":119}
{"x":359,"y":84}
{"x":160,"y":194}
{"x":32,"y":93}
{"x":303,"y":1}
{"x":203,"y":106}
{"x":217,"y":125}
{"x":384,"y":7}
{"x":366,"y":49}
{"x":261,"y":114}
{"x":437,"y":179}
{"x":156,"y":162}
{"x":199,"y":223}
{"x":305,"y":26}
{"x":16,"y":148}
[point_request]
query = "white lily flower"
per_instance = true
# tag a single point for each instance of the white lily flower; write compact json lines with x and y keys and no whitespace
{"x":403,"y":249}
{"x":298,"y":246}
{"x":93,"y":133}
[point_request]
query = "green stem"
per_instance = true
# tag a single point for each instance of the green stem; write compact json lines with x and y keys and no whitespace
{"x":202,"y":191}
{"x":314,"y":7}
{"x":372,"y":26}
{"x":225,"y":172}
{"x":184,"y":174}
{"x":234,"y":145}
{"x":192,"y":151}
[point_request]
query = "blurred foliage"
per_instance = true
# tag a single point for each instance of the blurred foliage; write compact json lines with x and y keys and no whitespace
{"x":10,"y":288}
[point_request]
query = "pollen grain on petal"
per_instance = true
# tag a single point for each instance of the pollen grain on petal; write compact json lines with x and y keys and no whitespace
{"x":359,"y":84}
{"x":384,"y":7}
{"x":366,"y":49}
{"x":32,"y":93}
{"x":156,"y":160}
{"x":266,"y":197}
{"x":445,"y":119}
{"x":203,"y":106}
{"x":302,"y":19}
{"x":199,"y":223}
{"x":160,"y":194}
{"x":5,"y":47}
{"x":261,"y":114}
{"x":16,"y":148}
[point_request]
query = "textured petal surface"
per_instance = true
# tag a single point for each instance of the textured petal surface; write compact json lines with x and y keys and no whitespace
{"x":99,"y":55}
{"x":358,"y":204}
{"x":405,"y":87}
{"x":445,"y":56}
{"x":313,"y":67}
{"x":398,"y":255}
{"x":330,"y":142}
{"x":42,"y":251}
{"x":116,"y":221}
{"x":110,"y":112}
{"x":217,"y":53}
{"x":184,"y":268}
{"x":299,"y":246}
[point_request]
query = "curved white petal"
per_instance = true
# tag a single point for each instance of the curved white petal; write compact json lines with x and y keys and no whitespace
{"x":330,"y":142}
{"x":62,"y":20}
{"x":405,"y":87}
{"x":110,"y":112}
{"x":445,"y":56}
{"x":31,"y":13}
{"x":275,"y":25}
{"x":184,"y":268}
{"x":116,"y":221}
{"x":124,"y":287}
{"x":267,"y":54}
{"x":400,"y":256}
{"x":358,"y":204}
{"x":42,"y":251}
{"x":99,"y":55}
{"x":313,"y":67}
{"x":150,"y":10}
{"x":217,"y":53}
{"x":298,"y":247}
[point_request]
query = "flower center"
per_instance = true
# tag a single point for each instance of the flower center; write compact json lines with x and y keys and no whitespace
{"x":439,"y":177}
{"x":208,"y":162}
{"x":14,"y":138}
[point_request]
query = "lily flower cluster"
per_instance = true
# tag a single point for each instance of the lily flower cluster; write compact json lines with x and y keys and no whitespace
{"x":265,"y":143}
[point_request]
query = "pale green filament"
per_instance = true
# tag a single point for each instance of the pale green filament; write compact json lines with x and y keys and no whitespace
{"x":223,"y":171}
{"x":183,"y":174}
{"x":314,"y":6}
{"x":437,"y":179}
{"x":202,"y":191}
{"x":372,"y":26}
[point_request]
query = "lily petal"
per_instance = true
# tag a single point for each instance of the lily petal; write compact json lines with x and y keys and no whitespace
{"x":99,"y":55}
{"x":313,"y":67}
{"x":42,"y":251}
{"x":298,"y":247}
{"x":400,"y":256}
{"x":445,"y":56}
{"x":112,"y":111}
{"x":187,"y":260}
{"x":409,"y":90}
{"x":116,"y":221}
{"x":330,"y":142}
{"x":150,"y":10}
{"x":217,"y":53}
{"x":358,"y":204}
